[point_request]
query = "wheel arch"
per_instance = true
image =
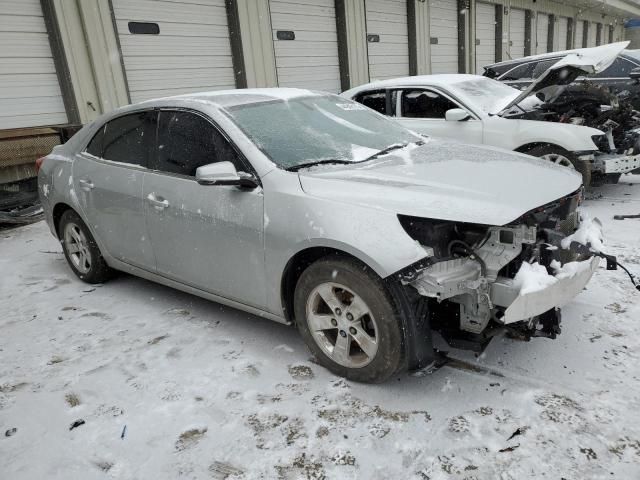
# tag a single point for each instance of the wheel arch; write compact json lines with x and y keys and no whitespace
{"x":56,"y":215}
{"x":527,"y":147}
{"x":416,"y":329}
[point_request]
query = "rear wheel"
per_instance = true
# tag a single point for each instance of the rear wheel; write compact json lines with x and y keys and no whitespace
{"x":347,"y":319}
{"x":80,"y":249}
{"x":564,"y":158}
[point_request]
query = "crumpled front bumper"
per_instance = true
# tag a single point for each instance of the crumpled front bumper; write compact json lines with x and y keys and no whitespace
{"x":523,"y":306}
{"x":616,"y":163}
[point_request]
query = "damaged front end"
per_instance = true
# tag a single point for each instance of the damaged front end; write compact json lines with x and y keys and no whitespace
{"x":484,"y":279}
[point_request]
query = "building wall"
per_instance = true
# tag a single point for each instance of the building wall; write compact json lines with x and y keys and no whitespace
{"x":90,"y":59}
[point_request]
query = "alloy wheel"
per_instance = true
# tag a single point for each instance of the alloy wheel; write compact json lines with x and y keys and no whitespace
{"x":342,"y":325}
{"x":559,"y":160}
{"x":77,"y":247}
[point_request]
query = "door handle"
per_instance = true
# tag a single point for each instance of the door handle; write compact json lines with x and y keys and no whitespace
{"x":157,"y":203}
{"x":86,"y":185}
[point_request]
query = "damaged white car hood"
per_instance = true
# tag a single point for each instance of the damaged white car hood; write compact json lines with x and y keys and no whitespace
{"x":447,"y":181}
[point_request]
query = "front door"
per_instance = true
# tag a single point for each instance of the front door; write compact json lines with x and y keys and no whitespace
{"x":207,"y":236}
{"x":423,"y":111}
{"x":107,"y":179}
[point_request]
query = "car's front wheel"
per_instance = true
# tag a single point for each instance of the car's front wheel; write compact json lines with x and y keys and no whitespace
{"x":80,"y":249}
{"x":564,"y":158}
{"x":348,"y":320}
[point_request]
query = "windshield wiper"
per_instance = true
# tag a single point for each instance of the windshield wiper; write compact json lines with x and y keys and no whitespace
{"x":391,"y":148}
{"x":295,"y":168}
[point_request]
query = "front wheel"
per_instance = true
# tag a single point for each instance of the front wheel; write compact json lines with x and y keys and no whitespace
{"x":347,"y":319}
{"x":564,"y":158}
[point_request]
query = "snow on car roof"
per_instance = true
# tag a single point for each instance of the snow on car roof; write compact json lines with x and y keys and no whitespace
{"x":228,"y":98}
{"x":443,"y":79}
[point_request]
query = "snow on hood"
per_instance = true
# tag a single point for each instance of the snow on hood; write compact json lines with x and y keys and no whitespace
{"x":446,"y":180}
{"x":585,"y":61}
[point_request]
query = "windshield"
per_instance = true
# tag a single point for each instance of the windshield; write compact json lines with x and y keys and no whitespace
{"x":486,"y":94}
{"x":313,"y":129}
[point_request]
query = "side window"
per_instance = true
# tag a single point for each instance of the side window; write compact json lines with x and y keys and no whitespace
{"x":187,"y":141}
{"x":541,"y":67}
{"x":521,"y":72}
{"x":376,"y":100}
{"x":95,"y":145}
{"x":425,"y":104}
{"x":620,"y":68}
{"x":131,"y":138}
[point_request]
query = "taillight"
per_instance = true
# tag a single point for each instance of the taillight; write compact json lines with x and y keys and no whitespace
{"x":39,"y":163}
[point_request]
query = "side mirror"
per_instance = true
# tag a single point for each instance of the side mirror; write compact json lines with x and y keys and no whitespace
{"x":224,"y":173}
{"x":635,"y":74}
{"x":456,"y":115}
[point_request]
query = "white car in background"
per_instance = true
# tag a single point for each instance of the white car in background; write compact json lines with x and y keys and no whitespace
{"x":476,"y":109}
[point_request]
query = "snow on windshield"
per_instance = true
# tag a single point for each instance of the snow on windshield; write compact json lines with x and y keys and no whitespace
{"x":485,"y":93}
{"x":317,"y":128}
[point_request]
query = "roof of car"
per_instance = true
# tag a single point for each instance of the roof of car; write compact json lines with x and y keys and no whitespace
{"x":436,"y":80}
{"x":558,"y":54}
{"x":230,"y":98}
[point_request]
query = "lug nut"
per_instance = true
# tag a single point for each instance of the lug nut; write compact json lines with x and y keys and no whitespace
{"x":353,"y":331}
{"x":334,"y":322}
{"x":338,"y":312}
{"x":349,"y":317}
{"x":343,"y":333}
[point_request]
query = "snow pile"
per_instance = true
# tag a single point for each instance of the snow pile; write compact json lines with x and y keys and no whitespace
{"x":589,"y":233}
{"x":533,"y":277}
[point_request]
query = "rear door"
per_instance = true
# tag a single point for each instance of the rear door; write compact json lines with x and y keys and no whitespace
{"x":206,"y":236}
{"x":107,"y":179}
{"x":423,"y":110}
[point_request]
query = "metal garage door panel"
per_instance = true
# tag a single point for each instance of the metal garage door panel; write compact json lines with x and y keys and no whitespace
{"x":388,"y":57}
{"x":516,"y":33}
{"x":578,"y":38}
{"x":192,"y":52}
{"x":563,"y":27}
{"x":542,"y":32}
{"x":485,"y":35}
{"x":30,"y":94}
{"x":443,"y":25}
{"x":311,"y":60}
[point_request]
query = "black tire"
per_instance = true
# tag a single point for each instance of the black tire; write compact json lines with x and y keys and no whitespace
{"x":98,"y":271}
{"x":362,"y":281}
{"x":582,"y":167}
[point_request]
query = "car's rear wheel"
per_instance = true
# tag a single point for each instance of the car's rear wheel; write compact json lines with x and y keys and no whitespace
{"x":564,"y":158}
{"x":347,"y":319}
{"x":80,"y":249}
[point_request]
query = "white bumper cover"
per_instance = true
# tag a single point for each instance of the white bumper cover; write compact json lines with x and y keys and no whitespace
{"x":523,"y":306}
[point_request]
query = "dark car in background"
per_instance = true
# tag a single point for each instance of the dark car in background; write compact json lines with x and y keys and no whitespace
{"x":618,"y":77}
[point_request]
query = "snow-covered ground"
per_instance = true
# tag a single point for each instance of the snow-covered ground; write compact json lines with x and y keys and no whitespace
{"x":205,"y":391}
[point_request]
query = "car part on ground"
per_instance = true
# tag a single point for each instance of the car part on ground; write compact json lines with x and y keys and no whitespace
{"x":364,"y":234}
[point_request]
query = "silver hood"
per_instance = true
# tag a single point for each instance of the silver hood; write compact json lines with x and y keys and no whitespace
{"x":447,"y":181}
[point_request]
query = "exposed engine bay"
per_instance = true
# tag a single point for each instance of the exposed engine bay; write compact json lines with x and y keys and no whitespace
{"x":476,"y":274}
{"x":591,"y":105}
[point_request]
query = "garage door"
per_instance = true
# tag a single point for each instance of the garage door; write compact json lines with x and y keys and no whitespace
{"x":485,"y":35}
{"x":516,"y":33}
{"x":30,"y":95}
{"x":443,"y":24}
{"x":387,"y":38}
{"x":542,"y":32}
{"x":176,"y":46}
{"x":306,"y":44}
{"x":563,"y":28}
{"x":579,"y":34}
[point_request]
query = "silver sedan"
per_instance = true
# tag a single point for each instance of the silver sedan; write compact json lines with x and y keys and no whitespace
{"x":308,"y":208}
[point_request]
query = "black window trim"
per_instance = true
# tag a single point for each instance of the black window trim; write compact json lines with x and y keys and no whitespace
{"x":241,"y":156}
{"x":134,"y":166}
{"x":387,"y":98}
